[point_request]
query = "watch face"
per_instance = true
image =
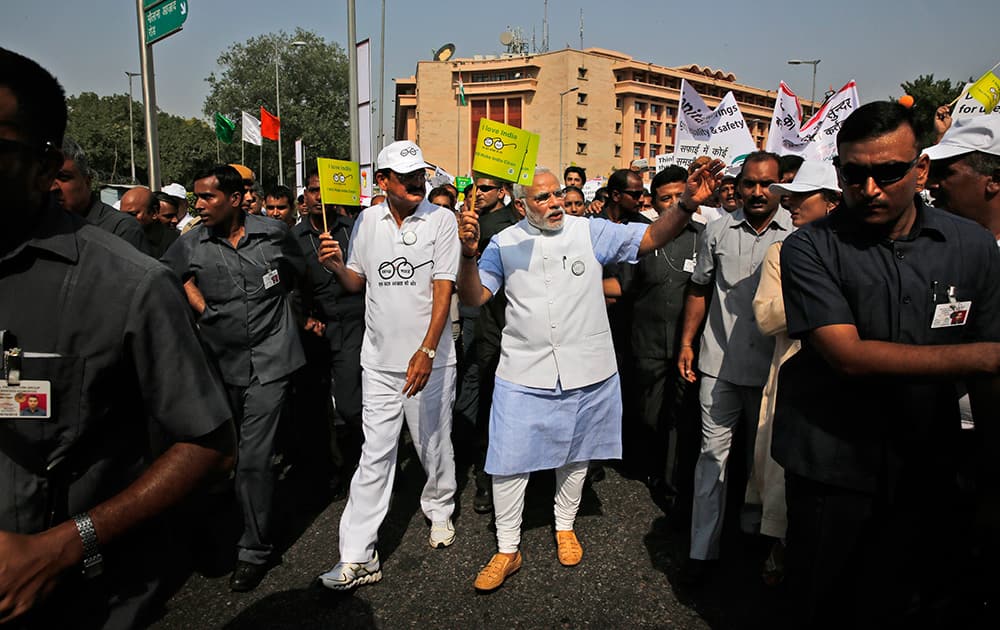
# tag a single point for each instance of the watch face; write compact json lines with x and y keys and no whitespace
{"x":431,"y":353}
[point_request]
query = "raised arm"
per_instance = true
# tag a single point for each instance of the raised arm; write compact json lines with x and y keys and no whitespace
{"x":697,"y":190}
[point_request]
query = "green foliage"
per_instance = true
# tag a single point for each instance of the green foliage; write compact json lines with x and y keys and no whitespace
{"x":100,"y":125}
{"x":314,"y":98}
{"x":928,"y":95}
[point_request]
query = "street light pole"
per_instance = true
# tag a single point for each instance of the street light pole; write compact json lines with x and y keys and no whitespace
{"x":561,"y":95}
{"x":813,"y":63}
{"x":277,"y":98}
{"x":131,"y":137}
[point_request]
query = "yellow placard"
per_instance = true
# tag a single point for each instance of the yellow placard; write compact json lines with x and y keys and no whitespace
{"x":986,"y":90}
{"x":339,"y":182}
{"x":506,"y":153}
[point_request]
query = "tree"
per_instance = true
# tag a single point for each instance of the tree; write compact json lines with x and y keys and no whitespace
{"x":100,"y":125}
{"x":314,"y":97}
{"x":928,"y":95}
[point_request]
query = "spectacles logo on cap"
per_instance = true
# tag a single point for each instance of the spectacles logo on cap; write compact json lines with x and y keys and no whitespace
{"x":409,"y":151}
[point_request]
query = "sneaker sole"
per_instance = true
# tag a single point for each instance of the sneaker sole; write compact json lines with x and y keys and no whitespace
{"x":441,"y":544}
{"x":371,"y":578}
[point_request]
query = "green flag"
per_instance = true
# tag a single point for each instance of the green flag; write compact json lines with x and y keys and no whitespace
{"x":224,"y":128}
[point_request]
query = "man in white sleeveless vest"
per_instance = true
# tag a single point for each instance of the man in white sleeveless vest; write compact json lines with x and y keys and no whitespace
{"x":557,"y":400}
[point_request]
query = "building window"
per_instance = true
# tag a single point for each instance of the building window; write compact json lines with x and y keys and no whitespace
{"x":640,"y":109}
{"x":654,"y":110}
{"x":618,"y":103}
{"x":637,"y":127}
{"x":654,"y":131}
{"x":581,"y":73}
{"x":581,"y":123}
{"x":618,"y":127}
{"x":581,"y":98}
{"x":671,"y":112}
{"x":637,"y":151}
{"x":498,"y":75}
{"x":581,"y":148}
{"x":618,"y":150}
{"x":654,"y":149}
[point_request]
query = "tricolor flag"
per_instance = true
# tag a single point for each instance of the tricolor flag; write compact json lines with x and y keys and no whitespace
{"x":251,"y":129}
{"x":461,"y":90}
{"x":224,"y":128}
{"x":270,"y":125}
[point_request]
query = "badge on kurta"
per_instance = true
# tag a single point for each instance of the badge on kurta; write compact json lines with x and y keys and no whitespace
{"x":409,"y":237}
{"x":578,"y":268}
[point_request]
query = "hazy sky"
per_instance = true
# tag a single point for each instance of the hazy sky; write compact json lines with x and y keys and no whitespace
{"x":89,"y":44}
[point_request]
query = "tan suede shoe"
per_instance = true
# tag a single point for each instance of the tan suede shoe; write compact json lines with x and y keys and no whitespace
{"x":568,"y":548}
{"x":496,"y":571}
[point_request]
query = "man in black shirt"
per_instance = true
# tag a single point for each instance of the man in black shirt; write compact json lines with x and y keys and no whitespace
{"x":71,"y":189}
{"x":81,"y":491}
{"x":894,"y":302}
{"x":141,"y":203}
{"x":238,"y":270}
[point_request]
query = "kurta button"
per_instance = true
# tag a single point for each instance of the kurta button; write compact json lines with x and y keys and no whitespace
{"x":553,"y":325}
{"x":899,"y":254}
{"x":906,"y":299}
{"x":545,"y":257}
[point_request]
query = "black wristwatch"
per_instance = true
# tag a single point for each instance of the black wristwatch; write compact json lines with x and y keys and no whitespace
{"x":680,"y":204}
{"x":93,"y":561}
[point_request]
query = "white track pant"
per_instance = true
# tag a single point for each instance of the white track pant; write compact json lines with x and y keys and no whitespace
{"x":428,"y":415}
{"x":508,"y":502}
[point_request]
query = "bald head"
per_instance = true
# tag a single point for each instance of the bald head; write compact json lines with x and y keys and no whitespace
{"x":141,"y":204}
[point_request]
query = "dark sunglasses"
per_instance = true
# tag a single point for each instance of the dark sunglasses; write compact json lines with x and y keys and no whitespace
{"x":411,"y":178}
{"x":882,"y":174}
{"x":486,"y":188}
{"x":634,"y":194}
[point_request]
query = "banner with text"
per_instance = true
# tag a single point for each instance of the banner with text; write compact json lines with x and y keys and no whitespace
{"x":505,"y":152}
{"x":783,"y":137}
{"x":339,"y":182}
{"x":820,"y":133}
{"x":722,"y":129}
{"x":968,"y":106}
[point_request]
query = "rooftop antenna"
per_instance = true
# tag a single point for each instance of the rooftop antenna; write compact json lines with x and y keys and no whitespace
{"x":545,"y":28}
{"x":581,"y":28}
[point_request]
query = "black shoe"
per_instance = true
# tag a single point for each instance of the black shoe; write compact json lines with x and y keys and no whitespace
{"x":595,"y":473}
{"x":662,"y":493}
{"x":483,"y":503}
{"x":695,"y":572}
{"x":246,"y":576}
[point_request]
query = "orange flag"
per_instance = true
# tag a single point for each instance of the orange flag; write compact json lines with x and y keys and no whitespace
{"x":270,"y":125}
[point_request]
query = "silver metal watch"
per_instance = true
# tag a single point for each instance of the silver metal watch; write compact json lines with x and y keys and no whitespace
{"x":93,"y":561}
{"x":430,"y":352}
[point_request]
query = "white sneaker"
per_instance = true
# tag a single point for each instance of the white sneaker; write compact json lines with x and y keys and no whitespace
{"x":347,"y":575}
{"x":442,"y":534}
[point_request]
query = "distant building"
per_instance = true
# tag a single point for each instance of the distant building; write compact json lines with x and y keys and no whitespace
{"x":623,"y":110}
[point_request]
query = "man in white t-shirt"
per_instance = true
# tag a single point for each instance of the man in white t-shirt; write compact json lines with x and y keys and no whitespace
{"x":404,"y":252}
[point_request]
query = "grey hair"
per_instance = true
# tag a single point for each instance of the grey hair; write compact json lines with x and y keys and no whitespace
{"x":519,"y":190}
{"x":73,"y":151}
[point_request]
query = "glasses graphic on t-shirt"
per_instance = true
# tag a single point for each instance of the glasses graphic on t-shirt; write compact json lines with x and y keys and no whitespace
{"x":399,"y":267}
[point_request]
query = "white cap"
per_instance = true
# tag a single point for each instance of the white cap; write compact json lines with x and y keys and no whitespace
{"x":979,"y":133}
{"x":401,"y":156}
{"x":175,"y":190}
{"x":813,"y":175}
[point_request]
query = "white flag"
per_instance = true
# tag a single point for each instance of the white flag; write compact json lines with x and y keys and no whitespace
{"x":251,"y":129}
{"x":820,"y":133}
{"x":783,"y":137}
{"x":718,"y":133}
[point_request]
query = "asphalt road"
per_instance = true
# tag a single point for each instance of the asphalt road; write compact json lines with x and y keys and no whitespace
{"x":628,"y":577}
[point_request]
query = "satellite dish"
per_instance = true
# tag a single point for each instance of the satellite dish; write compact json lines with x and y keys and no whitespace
{"x":445,"y":52}
{"x":506,"y":38}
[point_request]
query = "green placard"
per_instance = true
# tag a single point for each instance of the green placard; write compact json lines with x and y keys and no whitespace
{"x":505,"y":152}
{"x":462,"y":182}
{"x":164,"y":18}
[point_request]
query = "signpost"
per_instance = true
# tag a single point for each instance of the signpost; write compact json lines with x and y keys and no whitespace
{"x":164,"y":18}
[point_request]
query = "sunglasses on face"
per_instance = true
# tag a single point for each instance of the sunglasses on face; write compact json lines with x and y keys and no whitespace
{"x":634,"y":194}
{"x":486,"y":188}
{"x":411,"y":178}
{"x":881,"y":174}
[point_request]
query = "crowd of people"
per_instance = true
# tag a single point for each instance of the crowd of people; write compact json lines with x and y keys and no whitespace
{"x":835,"y":327}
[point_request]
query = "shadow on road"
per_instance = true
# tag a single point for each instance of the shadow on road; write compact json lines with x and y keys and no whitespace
{"x":314,"y":607}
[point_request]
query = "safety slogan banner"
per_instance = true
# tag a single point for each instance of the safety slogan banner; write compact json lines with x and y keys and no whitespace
{"x":783,"y":137}
{"x":505,"y":152}
{"x":816,"y":139}
{"x":722,"y":130}
{"x":339,"y":182}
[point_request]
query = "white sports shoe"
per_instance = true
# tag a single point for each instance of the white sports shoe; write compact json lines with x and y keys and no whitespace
{"x":442,"y":534}
{"x":347,"y":575}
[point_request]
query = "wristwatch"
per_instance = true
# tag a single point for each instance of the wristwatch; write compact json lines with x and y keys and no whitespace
{"x":430,"y":352}
{"x":680,"y":204}
{"x":93,"y":561}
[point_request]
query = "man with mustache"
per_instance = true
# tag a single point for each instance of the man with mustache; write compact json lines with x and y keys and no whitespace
{"x":404,"y":255}
{"x":557,"y":399}
{"x":735,"y":357}
{"x":895,"y":303}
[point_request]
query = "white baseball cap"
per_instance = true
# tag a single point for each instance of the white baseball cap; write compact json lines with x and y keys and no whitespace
{"x":401,"y":156}
{"x":175,"y":190}
{"x":979,"y":133}
{"x":813,"y":175}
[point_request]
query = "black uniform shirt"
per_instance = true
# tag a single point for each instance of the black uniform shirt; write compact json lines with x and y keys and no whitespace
{"x":654,"y":288}
{"x":868,"y":433}
{"x":248,"y":326}
{"x":492,"y":317}
{"x":101,"y":327}
{"x":121,"y":224}
{"x":326,"y":299}
{"x":160,"y":237}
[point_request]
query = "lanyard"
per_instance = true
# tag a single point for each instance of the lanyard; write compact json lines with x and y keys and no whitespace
{"x":263,"y":261}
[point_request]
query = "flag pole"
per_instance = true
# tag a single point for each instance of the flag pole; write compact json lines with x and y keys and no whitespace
{"x":217,"y":154}
{"x":243,"y":151}
{"x":326,"y":228}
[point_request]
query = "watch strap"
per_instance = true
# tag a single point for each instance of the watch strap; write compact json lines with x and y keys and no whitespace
{"x":93,"y":561}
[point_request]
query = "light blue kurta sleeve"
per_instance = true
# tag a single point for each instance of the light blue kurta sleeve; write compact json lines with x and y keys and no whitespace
{"x":491,"y":267}
{"x":615,"y":242}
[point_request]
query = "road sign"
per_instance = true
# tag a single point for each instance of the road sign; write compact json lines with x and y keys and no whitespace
{"x":164,"y":18}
